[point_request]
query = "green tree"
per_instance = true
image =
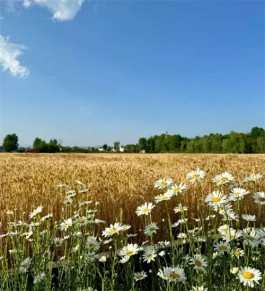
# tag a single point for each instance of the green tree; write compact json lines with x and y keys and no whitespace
{"x":105,"y":147}
{"x":117,"y":146}
{"x":10,"y":143}
{"x":142,"y":142}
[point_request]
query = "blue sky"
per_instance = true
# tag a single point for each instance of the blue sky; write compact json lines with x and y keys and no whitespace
{"x":95,"y":72}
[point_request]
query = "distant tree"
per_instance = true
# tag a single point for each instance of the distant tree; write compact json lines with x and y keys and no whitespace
{"x":142,"y":143}
{"x":10,"y":143}
{"x":117,"y":146}
{"x":235,"y":143}
{"x":105,"y":147}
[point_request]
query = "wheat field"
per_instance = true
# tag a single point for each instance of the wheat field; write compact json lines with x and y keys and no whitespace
{"x":120,"y":182}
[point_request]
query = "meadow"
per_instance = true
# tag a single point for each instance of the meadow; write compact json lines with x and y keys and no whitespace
{"x":136,"y":222}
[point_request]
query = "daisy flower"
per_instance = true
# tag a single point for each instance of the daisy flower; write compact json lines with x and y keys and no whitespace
{"x":92,"y":244}
{"x":223,"y":178}
{"x":261,"y":235}
{"x":195,"y":175}
{"x":249,"y":217}
{"x":163,"y":197}
{"x":259,"y":198}
{"x":215,"y":198}
{"x":150,"y":229}
{"x":222,"y":247}
{"x":66,"y":224}
{"x":180,"y":208}
{"x":250,"y":237}
{"x":253,"y":178}
{"x":170,"y":274}
{"x":198,"y":262}
{"x":149,"y":254}
{"x":139,"y":276}
{"x":113,"y":229}
{"x":144,"y":209}
{"x":129,"y":250}
{"x":248,"y":276}
{"x":238,"y":194}
{"x":36,"y":211}
{"x":231,"y":235}
{"x":163,"y":183}
{"x":237,"y":253}
{"x":25,"y":265}
{"x":176,"y":189}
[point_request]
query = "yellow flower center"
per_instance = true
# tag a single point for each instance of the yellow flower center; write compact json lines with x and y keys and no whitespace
{"x":174,"y":275}
{"x":145,"y":210}
{"x":176,"y":189}
{"x":237,"y":253}
{"x":216,"y":199}
{"x":150,"y":256}
{"x":250,"y":237}
{"x":248,"y":275}
{"x":222,"y":248}
{"x":198,"y":263}
{"x":196,"y":176}
{"x":163,"y":184}
{"x":139,"y":277}
{"x":130,"y":253}
{"x":164,"y":197}
{"x":224,"y":178}
{"x":113,"y":230}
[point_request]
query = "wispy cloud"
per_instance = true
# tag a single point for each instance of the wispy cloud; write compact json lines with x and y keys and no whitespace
{"x":62,"y":10}
{"x":9,"y":52}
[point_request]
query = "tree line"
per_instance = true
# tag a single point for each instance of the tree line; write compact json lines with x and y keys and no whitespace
{"x":234,"y":142}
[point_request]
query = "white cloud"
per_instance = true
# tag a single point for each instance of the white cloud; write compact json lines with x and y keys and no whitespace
{"x":62,"y":10}
{"x":9,"y":52}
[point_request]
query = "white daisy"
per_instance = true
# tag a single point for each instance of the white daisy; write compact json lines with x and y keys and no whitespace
{"x":253,"y":177}
{"x":238,"y":194}
{"x":248,"y":276}
{"x":223,"y":178}
{"x":113,"y":229}
{"x":25,"y":265}
{"x":237,"y":253}
{"x":196,"y":175}
{"x":170,"y":274}
{"x":144,"y":209}
{"x":149,"y":254}
{"x":129,"y":250}
{"x":249,"y":217}
{"x":176,"y":189}
{"x":35,"y":212}
{"x":259,"y":198}
{"x":92,"y":244}
{"x":66,"y":224}
{"x":198,"y":262}
{"x":180,"y":208}
{"x":139,"y":276}
{"x":150,"y":229}
{"x":215,"y":198}
{"x":222,"y":247}
{"x":163,"y":183}
{"x":163,"y":197}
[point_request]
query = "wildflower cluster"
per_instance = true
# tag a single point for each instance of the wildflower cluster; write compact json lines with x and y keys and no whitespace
{"x":223,"y":245}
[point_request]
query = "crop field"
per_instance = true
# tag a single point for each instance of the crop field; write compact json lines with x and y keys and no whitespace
{"x":155,"y":213}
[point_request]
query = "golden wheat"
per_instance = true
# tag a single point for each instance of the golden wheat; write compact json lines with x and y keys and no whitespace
{"x":120,"y":182}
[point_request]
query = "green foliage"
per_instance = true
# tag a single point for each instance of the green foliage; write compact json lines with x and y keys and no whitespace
{"x":42,"y":146}
{"x":10,"y":143}
{"x":117,"y":146}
